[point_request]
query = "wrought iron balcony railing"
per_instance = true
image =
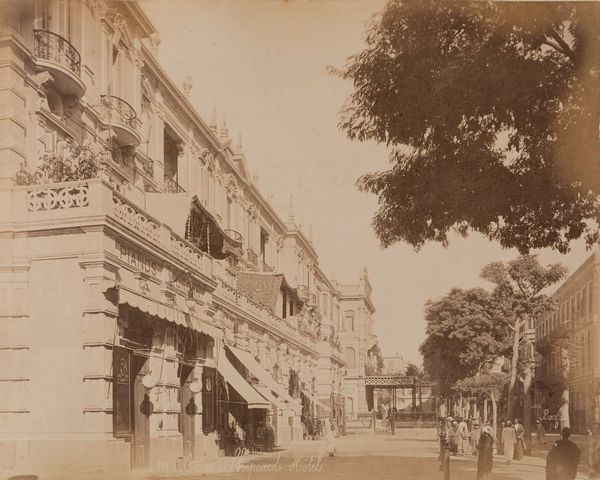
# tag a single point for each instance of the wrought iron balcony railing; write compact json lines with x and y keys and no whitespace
{"x":54,"y":48}
{"x":118,"y":110}
{"x":266,"y":267}
{"x":252,"y":257}
{"x":171,"y":186}
{"x":303,"y":292}
{"x":237,"y":236}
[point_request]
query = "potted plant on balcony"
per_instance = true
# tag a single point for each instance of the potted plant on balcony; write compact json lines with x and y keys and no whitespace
{"x":69,"y":162}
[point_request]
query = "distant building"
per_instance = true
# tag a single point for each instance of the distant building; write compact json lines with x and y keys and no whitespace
{"x":357,"y":338}
{"x":394,"y":365}
{"x":568,"y":346}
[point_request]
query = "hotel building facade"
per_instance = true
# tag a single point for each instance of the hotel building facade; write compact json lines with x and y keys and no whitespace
{"x":152,"y":302}
{"x":567,"y":372}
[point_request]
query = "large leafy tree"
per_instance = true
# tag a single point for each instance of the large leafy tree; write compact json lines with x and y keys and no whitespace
{"x":519,"y":287}
{"x":466,"y":332}
{"x":491,"y":112}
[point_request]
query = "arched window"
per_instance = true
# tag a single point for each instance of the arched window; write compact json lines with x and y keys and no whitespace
{"x":350,"y":356}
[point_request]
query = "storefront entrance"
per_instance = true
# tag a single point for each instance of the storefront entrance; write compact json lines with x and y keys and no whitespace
{"x":142,"y":409}
{"x":188,"y":411}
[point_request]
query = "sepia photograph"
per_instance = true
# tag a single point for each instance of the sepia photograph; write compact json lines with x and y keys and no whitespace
{"x":299,"y":239}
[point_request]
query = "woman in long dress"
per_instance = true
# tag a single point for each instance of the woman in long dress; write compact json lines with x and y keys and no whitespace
{"x":330,"y":437}
{"x":520,"y":443}
{"x":508,"y":440}
{"x":486,"y":450}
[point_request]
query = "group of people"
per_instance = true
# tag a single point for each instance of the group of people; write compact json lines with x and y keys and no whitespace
{"x":460,"y":436}
{"x":236,"y":440}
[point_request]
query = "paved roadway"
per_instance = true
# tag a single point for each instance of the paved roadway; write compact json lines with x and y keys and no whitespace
{"x":410,"y":455}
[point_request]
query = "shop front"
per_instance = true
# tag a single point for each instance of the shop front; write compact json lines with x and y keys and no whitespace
{"x":284,"y":410}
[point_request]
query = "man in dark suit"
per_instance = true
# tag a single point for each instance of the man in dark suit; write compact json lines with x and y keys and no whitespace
{"x":563,"y":458}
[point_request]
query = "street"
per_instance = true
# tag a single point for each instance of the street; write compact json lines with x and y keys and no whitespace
{"x":410,"y":454}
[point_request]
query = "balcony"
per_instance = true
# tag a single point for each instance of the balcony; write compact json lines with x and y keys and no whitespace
{"x":252,"y":257}
{"x":121,"y":117}
{"x":61,"y":59}
{"x":303,"y":292}
{"x":171,"y":186}
{"x":266,"y":267}
{"x":234,"y":235}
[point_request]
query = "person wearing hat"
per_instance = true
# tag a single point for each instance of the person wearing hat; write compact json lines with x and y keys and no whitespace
{"x":500,"y":444}
{"x":485,"y":446}
{"x":509,"y":439}
{"x":563,"y":458}
{"x":520,"y":443}
{"x":540,"y":432}
{"x":475,"y":434}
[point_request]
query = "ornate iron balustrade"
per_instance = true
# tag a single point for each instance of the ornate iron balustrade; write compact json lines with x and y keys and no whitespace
{"x":119,"y":110}
{"x":252,"y":257}
{"x":54,"y":48}
{"x":171,"y":186}
{"x":233,"y":234}
{"x":266,"y":267}
{"x":303,"y":292}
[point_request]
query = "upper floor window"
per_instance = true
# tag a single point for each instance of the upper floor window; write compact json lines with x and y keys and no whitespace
{"x":325,"y":304}
{"x":264,"y":238}
{"x":56,"y":16}
{"x":350,"y":357}
{"x":229,"y":212}
{"x":348,"y":322}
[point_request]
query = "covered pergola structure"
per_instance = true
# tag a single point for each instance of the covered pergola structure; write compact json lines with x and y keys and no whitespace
{"x":393,"y":383}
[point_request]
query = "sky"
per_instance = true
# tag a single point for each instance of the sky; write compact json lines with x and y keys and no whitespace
{"x":264,"y":65}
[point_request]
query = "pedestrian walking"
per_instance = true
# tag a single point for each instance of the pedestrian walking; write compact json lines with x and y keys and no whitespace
{"x":330,"y":437}
{"x":520,"y":443}
{"x":540,"y":432}
{"x":444,"y":455}
{"x":500,"y":444}
{"x":509,"y":439}
{"x":563,"y":458}
{"x":485,"y":448}
{"x":269,"y":437}
{"x":453,"y":437}
{"x":475,"y":434}
{"x":464,"y":436}
{"x":594,"y":451}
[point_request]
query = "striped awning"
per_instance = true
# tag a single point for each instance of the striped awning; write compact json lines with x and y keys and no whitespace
{"x":166,"y":312}
{"x":276,"y":390}
{"x":238,"y":383}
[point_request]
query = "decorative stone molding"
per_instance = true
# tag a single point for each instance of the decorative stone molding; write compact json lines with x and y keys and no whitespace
{"x":57,"y":198}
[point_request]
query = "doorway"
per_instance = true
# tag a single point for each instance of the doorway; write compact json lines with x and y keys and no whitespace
{"x":188,"y":411}
{"x":142,"y":409}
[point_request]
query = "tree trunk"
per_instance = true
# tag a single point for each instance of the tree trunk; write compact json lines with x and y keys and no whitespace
{"x":485,"y":410}
{"x":565,"y":420}
{"x":494,"y":414}
{"x":527,"y":423}
{"x":513,"y":370}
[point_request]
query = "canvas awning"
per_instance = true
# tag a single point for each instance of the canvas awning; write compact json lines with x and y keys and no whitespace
{"x":275,"y":390}
{"x":166,"y":312}
{"x":239,"y":384}
{"x":264,"y":287}
{"x":187,"y":217}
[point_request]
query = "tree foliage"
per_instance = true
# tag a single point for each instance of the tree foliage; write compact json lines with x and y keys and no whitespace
{"x":466,"y":332}
{"x":519,"y":284}
{"x":482,"y":385}
{"x":491,"y":112}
